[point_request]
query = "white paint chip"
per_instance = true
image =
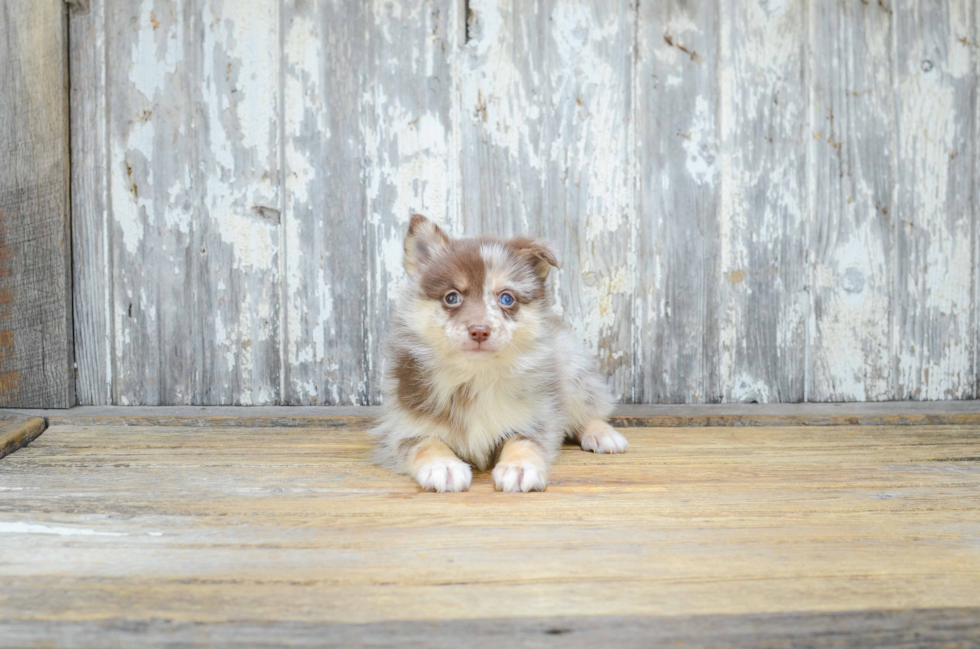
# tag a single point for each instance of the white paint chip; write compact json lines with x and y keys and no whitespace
{"x":34,"y":528}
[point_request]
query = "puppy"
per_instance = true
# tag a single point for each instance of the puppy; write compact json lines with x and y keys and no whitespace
{"x":479,"y":370}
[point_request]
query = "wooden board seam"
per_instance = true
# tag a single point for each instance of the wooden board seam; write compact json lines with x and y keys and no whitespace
{"x":734,"y":415}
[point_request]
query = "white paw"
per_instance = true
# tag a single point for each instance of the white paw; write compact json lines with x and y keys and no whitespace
{"x":600,"y":437}
{"x":519,"y":476}
{"x":445,"y":475}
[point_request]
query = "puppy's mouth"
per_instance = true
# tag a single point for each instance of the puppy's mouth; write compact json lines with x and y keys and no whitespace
{"x":478,"y":349}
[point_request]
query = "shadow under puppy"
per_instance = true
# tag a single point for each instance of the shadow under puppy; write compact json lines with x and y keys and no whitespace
{"x":481,"y":371}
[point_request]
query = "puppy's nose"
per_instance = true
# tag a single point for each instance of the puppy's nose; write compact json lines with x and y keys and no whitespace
{"x":479,"y":333}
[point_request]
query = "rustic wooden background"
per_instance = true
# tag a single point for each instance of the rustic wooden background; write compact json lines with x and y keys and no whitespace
{"x":767,"y":201}
{"x":35,"y":239}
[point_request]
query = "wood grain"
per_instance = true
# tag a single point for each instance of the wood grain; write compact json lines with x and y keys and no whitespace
{"x":677,"y":334}
{"x":36,"y":349}
{"x":368,"y":105}
{"x":768,"y":202}
{"x":92,"y":278}
{"x":411,"y":150}
{"x":762,"y":128}
{"x":17,"y":431}
{"x":884,"y":629}
{"x":853,"y":194}
{"x":902,"y":413}
{"x":546,"y":138}
{"x":102,"y":525}
{"x":326,"y":265}
{"x":193,"y":201}
{"x":936,"y":218}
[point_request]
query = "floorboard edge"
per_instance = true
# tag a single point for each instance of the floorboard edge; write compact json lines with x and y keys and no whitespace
{"x":947,"y":627}
{"x":896,"y":413}
{"x":17,"y":431}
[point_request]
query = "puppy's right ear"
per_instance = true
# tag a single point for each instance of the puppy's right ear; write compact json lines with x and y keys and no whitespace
{"x":424,"y":239}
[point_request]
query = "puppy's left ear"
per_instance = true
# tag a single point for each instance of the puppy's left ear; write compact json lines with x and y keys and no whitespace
{"x":423,"y":240}
{"x":539,"y":254}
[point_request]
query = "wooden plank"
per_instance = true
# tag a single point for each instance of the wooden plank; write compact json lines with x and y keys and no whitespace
{"x":852,"y":189}
{"x":17,"y":431}
{"x":193,"y":177}
{"x":91,"y":243}
{"x":35,"y":251}
{"x":325,"y":274}
{"x":102,"y":525}
{"x":217,"y":416}
{"x":411,"y":148}
{"x":899,"y":413}
{"x":546,"y":92}
{"x":369,"y":141}
{"x":762,"y":128}
{"x":882,"y":629}
{"x":677,"y":329}
{"x":936,"y":219}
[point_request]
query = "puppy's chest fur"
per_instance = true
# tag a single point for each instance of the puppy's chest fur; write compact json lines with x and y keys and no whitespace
{"x":474,"y":413}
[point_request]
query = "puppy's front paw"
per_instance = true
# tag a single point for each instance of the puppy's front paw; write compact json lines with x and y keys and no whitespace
{"x":445,"y":474}
{"x":519,"y":476}
{"x":600,"y":437}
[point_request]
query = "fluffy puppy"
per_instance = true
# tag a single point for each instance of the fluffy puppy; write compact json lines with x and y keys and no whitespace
{"x":479,"y":370}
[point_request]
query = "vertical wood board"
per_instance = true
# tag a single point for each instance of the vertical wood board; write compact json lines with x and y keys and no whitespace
{"x":369,"y":140}
{"x":193,"y":182}
{"x":325,"y":263}
{"x":852,"y":187}
{"x":545,"y":119}
{"x":935,"y":329}
{"x":410,"y":148}
{"x":762,"y":203}
{"x":36,"y":348}
{"x":92,"y":281}
{"x":678,"y":228}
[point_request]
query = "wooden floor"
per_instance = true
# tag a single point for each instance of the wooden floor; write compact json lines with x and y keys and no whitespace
{"x":709,"y":536}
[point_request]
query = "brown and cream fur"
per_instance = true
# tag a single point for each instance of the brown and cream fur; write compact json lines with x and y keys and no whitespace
{"x":473,"y":381}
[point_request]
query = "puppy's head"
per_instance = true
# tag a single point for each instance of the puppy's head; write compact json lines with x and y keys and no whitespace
{"x":475,"y":297}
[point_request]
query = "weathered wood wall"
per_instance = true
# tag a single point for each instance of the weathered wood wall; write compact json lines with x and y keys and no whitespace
{"x":765,"y":201}
{"x":35,"y":241}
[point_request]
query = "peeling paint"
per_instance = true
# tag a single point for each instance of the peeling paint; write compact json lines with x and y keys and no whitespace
{"x":492,"y":90}
{"x":19,"y":527}
{"x":155,"y":54}
{"x":257,"y":204}
{"x":935,"y":345}
{"x":699,"y":143}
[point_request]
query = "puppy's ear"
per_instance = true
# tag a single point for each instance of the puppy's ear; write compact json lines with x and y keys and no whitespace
{"x":424,"y":239}
{"x":539,"y":254}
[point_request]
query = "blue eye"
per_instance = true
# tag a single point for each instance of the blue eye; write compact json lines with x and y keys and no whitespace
{"x":506,"y":299}
{"x":452,"y":298}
